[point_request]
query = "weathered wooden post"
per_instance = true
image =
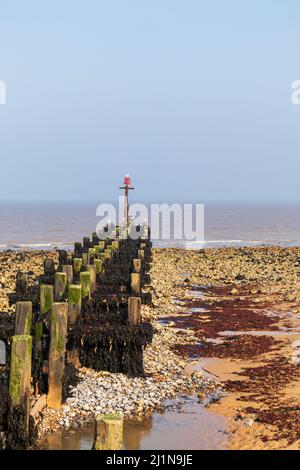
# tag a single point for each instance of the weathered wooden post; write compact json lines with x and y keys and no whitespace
{"x":134,"y":311}
{"x":59,"y":323}
{"x":85,"y":260}
{"x":23,"y":318}
{"x":68,"y":269}
{"x":137,"y":265}
{"x":20,"y":368}
{"x":135,"y":283}
{"x":19,"y":381}
{"x":46,"y":299}
{"x":85,"y":283}
{"x":22,"y":283}
{"x":102,"y":245}
{"x":108,"y":433}
{"x":77,"y":263}
{"x":49,"y":266}
{"x":92,"y":271}
{"x":97,"y":250}
{"x":98,"y":265}
{"x":86,"y":242}
{"x":92,"y":254}
{"x":60,"y":286}
{"x":74,"y":302}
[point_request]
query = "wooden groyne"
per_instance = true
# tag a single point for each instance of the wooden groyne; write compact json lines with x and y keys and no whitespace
{"x":86,"y":311}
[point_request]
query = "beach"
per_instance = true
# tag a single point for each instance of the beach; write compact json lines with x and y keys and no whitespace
{"x":225,"y":323}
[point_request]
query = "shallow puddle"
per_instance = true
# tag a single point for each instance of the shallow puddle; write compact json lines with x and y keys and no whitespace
{"x":284,"y":332}
{"x":194,"y":427}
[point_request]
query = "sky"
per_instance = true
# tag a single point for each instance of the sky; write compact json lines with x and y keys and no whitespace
{"x":192,"y":98}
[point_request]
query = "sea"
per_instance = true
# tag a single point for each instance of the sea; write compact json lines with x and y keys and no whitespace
{"x":48,"y":225}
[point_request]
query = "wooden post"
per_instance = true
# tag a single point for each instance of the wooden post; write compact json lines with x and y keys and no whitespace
{"x":98,"y":265}
{"x":97,"y":250}
{"x":141,"y":254}
{"x":85,"y":283}
{"x":22,"y":284}
{"x":49,"y":266}
{"x":135,"y":283}
{"x":134,"y":311}
{"x":85,"y":260}
{"x":108,"y":432}
{"x":46,"y":299}
{"x":137,"y":265}
{"x":102,"y":245}
{"x":59,"y":323}
{"x":60,"y":286}
{"x":20,"y":368}
{"x":143,"y":246}
{"x":23,"y":318}
{"x":92,"y":254}
{"x":77,"y":262}
{"x":74,"y":302}
{"x":68,"y":269}
{"x":86,"y":242}
{"x":92,"y":271}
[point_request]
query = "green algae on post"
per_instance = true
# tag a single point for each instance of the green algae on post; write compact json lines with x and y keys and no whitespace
{"x":85,"y":283}
{"x":108,"y":434}
{"x":46,"y":298}
{"x":20,"y":368}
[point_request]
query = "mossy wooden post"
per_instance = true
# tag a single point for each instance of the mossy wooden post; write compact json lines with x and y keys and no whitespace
{"x":59,"y":324}
{"x":68,"y":269}
{"x":137,"y":265}
{"x":134,"y":311}
{"x":77,"y":263}
{"x":135,"y":283}
{"x":20,"y":376}
{"x":98,"y":265}
{"x":23,"y":318}
{"x":97,"y":250}
{"x":108,"y":433}
{"x":20,"y":368}
{"x":74,"y":308}
{"x":85,"y":260}
{"x":102,"y":245}
{"x":85,"y":282}
{"x":108,"y":253}
{"x":92,"y":271}
{"x":60,"y":286}
{"x":92,"y":255}
{"x":46,"y":299}
{"x":74,"y":302}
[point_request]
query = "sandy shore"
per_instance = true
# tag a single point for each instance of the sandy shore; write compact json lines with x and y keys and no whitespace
{"x":204,"y":302}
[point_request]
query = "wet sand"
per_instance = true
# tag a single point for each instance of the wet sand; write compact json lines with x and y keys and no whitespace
{"x":245,"y":315}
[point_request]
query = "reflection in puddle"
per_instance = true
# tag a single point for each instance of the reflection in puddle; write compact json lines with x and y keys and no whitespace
{"x":191,"y":428}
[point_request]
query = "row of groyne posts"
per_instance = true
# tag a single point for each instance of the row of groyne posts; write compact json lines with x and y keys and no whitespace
{"x":84,"y":312}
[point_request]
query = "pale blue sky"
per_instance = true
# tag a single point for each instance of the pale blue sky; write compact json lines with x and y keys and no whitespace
{"x":192,"y":98}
